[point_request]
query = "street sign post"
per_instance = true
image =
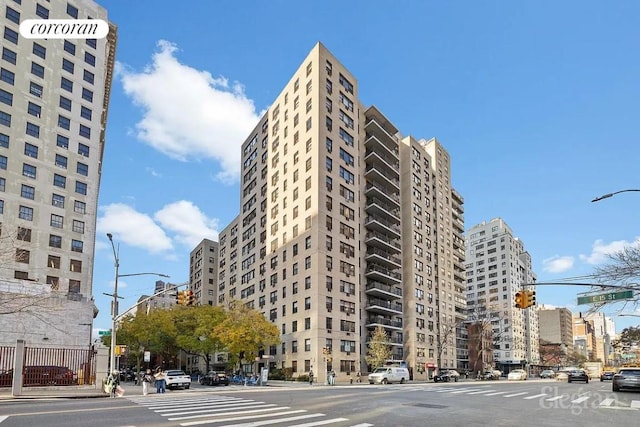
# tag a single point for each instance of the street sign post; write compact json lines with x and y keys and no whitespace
{"x":104,"y":333}
{"x":612,"y":296}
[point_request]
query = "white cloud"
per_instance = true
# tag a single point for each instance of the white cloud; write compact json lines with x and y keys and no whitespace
{"x":600,"y":250}
{"x":187,"y":113}
{"x":133,"y":228}
{"x":558,"y":264}
{"x":151,"y":171}
{"x":188,"y":222}
{"x":181,"y":221}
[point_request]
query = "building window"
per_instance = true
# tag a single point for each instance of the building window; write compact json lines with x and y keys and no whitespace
{"x":33,"y":130}
{"x":22,"y":256}
{"x":72,"y":11}
{"x":74,"y":286}
{"x":34,"y":109}
{"x":29,"y":171}
{"x":3,"y":162}
{"x":57,"y":221}
{"x":42,"y":11}
{"x":59,"y":181}
{"x":35,"y":89}
{"x":7,"y":76}
{"x":53,"y":262}
{"x":9,"y":55}
{"x":37,"y":70}
{"x":13,"y":15}
{"x":85,"y":113}
{"x":6,"y":97}
{"x":64,"y":122}
{"x":55,"y":241}
{"x":87,"y":95}
{"x":82,"y":169}
{"x":28,"y":192}
{"x":88,"y":76}
{"x":4,"y":140}
{"x":78,"y":226}
{"x":67,"y":65}
{"x":5,"y":119}
{"x":89,"y":59}
{"x":81,"y":188}
{"x":57,"y":200}
{"x":61,"y":161}
{"x":10,"y":35}
{"x":76,"y":245}
{"x":62,"y":142}
{"x":83,"y":150}
{"x":75,"y":265}
{"x":92,"y":43}
{"x":85,"y":131}
{"x":79,"y":207}
{"x":66,"y":84}
{"x":65,"y":103}
{"x":24,"y":234}
{"x":69,"y":47}
{"x":39,"y":50}
{"x":26,"y":213}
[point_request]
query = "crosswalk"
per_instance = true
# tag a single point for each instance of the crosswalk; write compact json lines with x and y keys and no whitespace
{"x":548,"y":398}
{"x":231,"y":411}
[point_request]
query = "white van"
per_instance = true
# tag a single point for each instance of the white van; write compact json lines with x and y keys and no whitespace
{"x":386,"y":375}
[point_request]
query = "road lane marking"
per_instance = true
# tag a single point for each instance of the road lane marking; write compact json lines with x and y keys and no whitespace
{"x":323,"y":422}
{"x":536,"y":396}
{"x":580,"y":399}
{"x":267,"y":422}
{"x":551,"y":399}
{"x":464,"y":390}
{"x":515,"y":394}
{"x":496,"y":393}
{"x":3,"y":417}
{"x":248,"y":417}
{"x":213,"y":410}
{"x":188,"y":417}
{"x":635,"y":404}
{"x":483,"y":391}
{"x":607,"y":402}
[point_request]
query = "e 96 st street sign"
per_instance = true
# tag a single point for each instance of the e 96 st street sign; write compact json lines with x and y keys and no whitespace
{"x":612,"y":296}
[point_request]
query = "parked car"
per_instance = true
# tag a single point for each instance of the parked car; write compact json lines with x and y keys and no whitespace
{"x":517,"y":375}
{"x":214,"y":378}
{"x":626,"y":378}
{"x":48,"y":375}
{"x":547,"y":373}
{"x":176,"y":378}
{"x":607,"y":375}
{"x":491,"y":375}
{"x":447,"y":375}
{"x":578,"y":375}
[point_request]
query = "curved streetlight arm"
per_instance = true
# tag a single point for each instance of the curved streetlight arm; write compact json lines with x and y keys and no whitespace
{"x":144,"y":274}
{"x":606,"y":196}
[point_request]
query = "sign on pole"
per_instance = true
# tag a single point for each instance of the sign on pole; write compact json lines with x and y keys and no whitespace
{"x":612,"y":296}
{"x":104,"y":333}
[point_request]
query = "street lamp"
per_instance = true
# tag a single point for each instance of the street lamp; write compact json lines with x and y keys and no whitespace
{"x":606,"y":196}
{"x":114,"y":304}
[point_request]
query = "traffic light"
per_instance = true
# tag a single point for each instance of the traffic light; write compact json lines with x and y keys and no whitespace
{"x":190,"y":298}
{"x":521,"y":298}
{"x":531,"y":298}
{"x":181,"y":298}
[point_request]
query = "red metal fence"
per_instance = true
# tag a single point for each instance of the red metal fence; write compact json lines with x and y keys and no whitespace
{"x":49,"y":367}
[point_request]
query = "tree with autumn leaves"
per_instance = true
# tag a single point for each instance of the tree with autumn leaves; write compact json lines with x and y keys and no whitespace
{"x":198,"y":331}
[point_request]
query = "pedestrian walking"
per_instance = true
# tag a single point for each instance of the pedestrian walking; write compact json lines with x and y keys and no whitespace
{"x":113,"y":382}
{"x":311,"y":377}
{"x":147,"y":379}
{"x":160,"y":381}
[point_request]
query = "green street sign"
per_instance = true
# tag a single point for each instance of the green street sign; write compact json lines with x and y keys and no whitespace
{"x":612,"y":296}
{"x":104,"y":333}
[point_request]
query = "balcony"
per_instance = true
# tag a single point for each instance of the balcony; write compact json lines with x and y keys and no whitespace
{"x":385,"y":168}
{"x":382,"y":130}
{"x":384,"y":307}
{"x":373,"y":238}
{"x":378,"y":223}
{"x":377,"y":206}
{"x":385,"y":322}
{"x":382,"y":290}
{"x":382,"y":258}
{"x":374,"y":190}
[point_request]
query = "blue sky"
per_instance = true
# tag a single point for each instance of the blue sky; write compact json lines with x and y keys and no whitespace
{"x":536,"y":101}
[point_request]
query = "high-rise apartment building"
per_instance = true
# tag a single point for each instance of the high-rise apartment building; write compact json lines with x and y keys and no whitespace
{"x":54,"y":96}
{"x":497,"y":267}
{"x":203,"y":272}
{"x":339,"y":233}
{"x":556,"y":334}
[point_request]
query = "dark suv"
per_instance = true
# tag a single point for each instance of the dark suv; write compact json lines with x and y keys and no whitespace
{"x":578,"y":375}
{"x":215,"y":378}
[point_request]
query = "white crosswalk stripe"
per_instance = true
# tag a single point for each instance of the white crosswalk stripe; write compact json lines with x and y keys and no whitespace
{"x":231,"y":411}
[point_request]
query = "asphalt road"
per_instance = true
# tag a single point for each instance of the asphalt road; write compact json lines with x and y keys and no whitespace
{"x":496,"y":403}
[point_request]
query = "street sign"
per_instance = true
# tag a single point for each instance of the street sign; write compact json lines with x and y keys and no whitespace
{"x":104,"y":333}
{"x":612,"y":296}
